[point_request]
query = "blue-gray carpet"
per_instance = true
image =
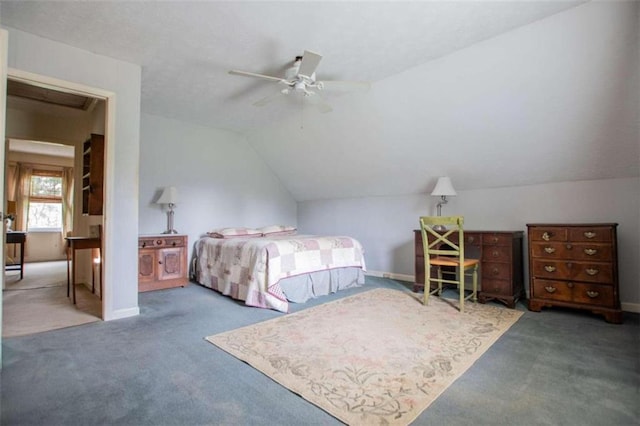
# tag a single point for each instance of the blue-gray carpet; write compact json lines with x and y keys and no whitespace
{"x":556,"y":367}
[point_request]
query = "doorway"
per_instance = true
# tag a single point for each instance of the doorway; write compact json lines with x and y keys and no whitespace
{"x":45,"y":117}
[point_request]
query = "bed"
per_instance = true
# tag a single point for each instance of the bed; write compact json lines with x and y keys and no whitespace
{"x":271,"y":271}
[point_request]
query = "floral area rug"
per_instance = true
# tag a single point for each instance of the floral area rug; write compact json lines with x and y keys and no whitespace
{"x":379,"y":357}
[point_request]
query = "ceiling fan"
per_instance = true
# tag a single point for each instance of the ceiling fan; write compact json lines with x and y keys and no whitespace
{"x":301,"y":78}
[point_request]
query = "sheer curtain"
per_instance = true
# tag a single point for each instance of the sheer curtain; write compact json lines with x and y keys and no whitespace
{"x":12,"y":181}
{"x":22,"y":191}
{"x":11,"y":184}
{"x":67,"y":201}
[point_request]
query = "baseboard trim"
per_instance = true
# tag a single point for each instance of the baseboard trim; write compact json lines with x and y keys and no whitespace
{"x":390,"y":275}
{"x":631,"y":307}
{"x":121,"y":313}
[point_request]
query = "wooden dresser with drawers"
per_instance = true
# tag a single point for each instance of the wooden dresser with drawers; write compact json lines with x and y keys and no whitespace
{"x":574,"y":266}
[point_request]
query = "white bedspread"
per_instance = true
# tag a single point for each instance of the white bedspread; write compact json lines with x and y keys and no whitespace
{"x":250,"y":269}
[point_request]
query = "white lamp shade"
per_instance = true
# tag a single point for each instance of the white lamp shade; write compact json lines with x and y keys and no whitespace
{"x":169,"y":196}
{"x":443,"y":187}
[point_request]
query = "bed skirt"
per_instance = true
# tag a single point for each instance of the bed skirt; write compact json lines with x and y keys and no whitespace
{"x":301,"y":288}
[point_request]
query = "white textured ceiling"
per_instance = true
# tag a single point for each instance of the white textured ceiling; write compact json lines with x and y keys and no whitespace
{"x":186,"y":48}
{"x":538,"y":106}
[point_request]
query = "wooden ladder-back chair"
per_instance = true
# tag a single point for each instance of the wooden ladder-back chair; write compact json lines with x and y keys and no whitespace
{"x":443,"y":244}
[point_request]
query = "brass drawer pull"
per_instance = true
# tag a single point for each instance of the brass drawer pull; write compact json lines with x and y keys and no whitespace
{"x":550,"y":250}
{"x":590,"y":251}
{"x":470,"y":239}
{"x":590,"y":234}
{"x":495,"y":253}
{"x":593,"y":294}
{"x":495,"y":239}
{"x":591,"y":271}
{"x":547,"y":236}
{"x":549,"y":268}
{"x":550,"y":289}
{"x":495,"y":271}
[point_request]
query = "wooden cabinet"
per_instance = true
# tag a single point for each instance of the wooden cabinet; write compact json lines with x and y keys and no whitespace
{"x":574,"y":266}
{"x":93,"y":175}
{"x":162,"y":262}
{"x":501,"y":271}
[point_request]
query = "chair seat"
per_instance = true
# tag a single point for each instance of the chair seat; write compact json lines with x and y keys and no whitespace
{"x":444,"y":261}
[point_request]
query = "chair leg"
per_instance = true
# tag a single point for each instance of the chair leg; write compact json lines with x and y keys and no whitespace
{"x":427,"y":290}
{"x":427,"y":286}
{"x":460,"y":275}
{"x":475,"y":284}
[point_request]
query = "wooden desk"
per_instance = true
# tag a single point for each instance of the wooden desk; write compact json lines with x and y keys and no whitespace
{"x":17,"y":237}
{"x":501,"y":270}
{"x":81,"y":243}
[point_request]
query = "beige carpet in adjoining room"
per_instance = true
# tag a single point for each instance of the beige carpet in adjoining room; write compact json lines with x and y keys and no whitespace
{"x":39,"y":301}
{"x":376,"y":358}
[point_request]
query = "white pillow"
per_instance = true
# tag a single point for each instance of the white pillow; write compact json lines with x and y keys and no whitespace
{"x":278,"y":230}
{"x":235,"y":233}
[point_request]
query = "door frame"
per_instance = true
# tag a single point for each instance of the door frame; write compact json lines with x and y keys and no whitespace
{"x":4,"y":45}
{"x":78,"y":89}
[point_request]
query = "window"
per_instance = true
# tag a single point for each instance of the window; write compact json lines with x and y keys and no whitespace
{"x":45,"y":201}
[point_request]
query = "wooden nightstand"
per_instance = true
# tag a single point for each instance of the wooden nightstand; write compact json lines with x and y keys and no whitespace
{"x":162,"y":261}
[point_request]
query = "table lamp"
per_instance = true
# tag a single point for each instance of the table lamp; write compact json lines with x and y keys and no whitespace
{"x":169,"y":197}
{"x":443,"y":189}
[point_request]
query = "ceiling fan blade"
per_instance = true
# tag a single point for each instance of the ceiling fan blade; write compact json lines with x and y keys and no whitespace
{"x":268,"y":99}
{"x":346,"y":86}
{"x":310,"y":61}
{"x":318,"y":102}
{"x":252,"y":74}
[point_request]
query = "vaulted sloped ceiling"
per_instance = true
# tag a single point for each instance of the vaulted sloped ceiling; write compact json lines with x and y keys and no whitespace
{"x":490,"y":93}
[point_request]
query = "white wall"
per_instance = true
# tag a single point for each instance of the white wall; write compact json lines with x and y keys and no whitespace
{"x":67,"y":130}
{"x":385,"y":225}
{"x":221,"y":181}
{"x":37,"y":55}
{"x":553,"y":101}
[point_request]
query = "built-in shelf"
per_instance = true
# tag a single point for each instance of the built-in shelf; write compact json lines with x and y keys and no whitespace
{"x":93,"y":175}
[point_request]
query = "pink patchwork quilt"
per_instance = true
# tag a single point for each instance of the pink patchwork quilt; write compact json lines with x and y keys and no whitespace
{"x":250,"y":269}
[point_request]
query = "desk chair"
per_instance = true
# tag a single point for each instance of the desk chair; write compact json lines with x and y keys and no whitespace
{"x":443,"y":244}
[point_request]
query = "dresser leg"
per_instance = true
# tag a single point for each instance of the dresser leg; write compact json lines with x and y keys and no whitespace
{"x":613,"y":317}
{"x":535,"y":306}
